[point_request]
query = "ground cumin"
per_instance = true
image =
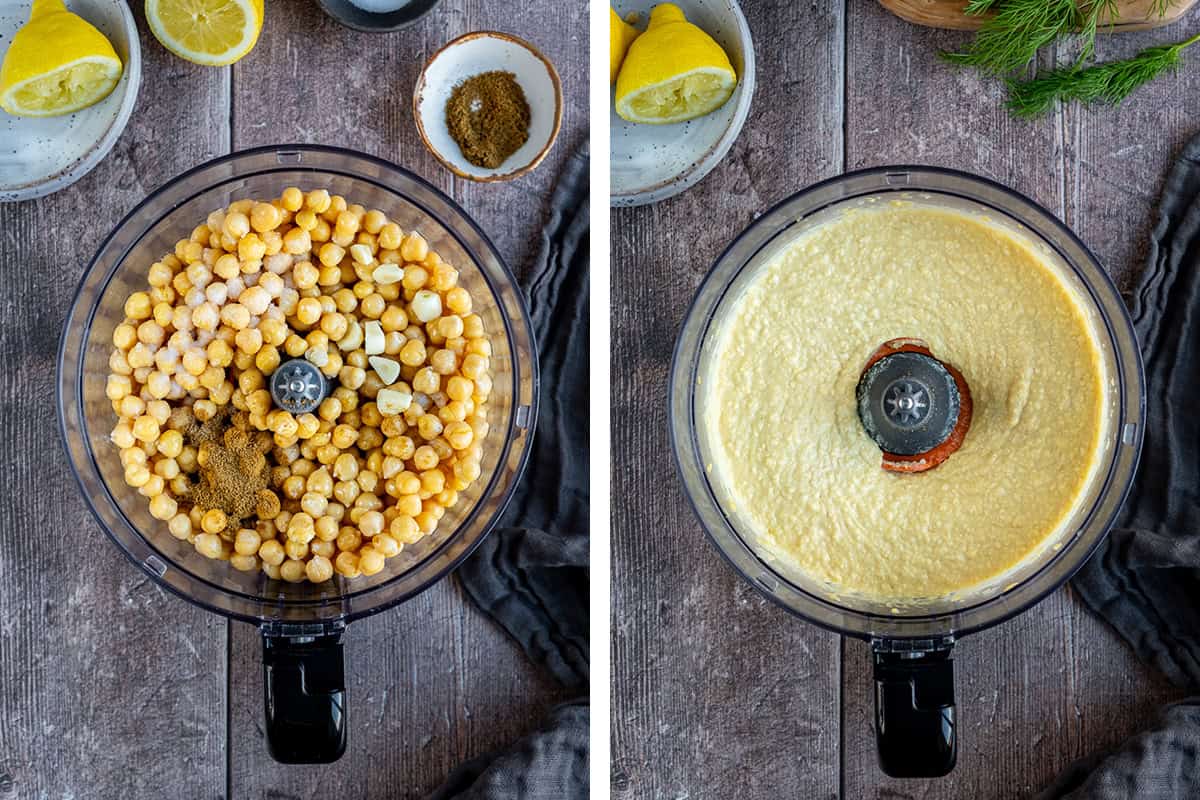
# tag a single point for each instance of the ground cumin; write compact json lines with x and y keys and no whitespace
{"x":488,"y":117}
{"x":233,"y":469}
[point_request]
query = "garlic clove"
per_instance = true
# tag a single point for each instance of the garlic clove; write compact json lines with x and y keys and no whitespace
{"x":427,"y":305}
{"x":373,"y":340}
{"x":391,"y":402}
{"x":387,"y":370}
{"x":387,"y":273}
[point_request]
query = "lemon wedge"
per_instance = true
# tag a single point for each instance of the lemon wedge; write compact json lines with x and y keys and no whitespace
{"x":673,"y":72}
{"x":57,"y":64}
{"x":209,"y":32}
{"x":620,"y":35}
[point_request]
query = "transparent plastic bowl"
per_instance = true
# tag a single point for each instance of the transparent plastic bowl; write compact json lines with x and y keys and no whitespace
{"x":301,"y":623}
{"x":923,"y":634}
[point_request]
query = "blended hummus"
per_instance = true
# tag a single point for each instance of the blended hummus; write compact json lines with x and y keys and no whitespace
{"x":791,"y":460}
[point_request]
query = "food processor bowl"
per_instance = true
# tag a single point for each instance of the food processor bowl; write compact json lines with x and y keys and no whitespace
{"x":915,"y":713}
{"x":301,"y":623}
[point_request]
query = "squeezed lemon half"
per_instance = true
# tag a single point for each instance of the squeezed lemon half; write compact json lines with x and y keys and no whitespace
{"x":673,"y":72}
{"x":57,"y":64}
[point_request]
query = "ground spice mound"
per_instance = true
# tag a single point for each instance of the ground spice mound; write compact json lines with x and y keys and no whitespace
{"x":234,"y":470}
{"x":488,"y":117}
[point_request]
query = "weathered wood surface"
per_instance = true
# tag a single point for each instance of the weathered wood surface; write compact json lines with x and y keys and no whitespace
{"x":718,"y":694}
{"x":109,"y":686}
{"x":99,"y":669}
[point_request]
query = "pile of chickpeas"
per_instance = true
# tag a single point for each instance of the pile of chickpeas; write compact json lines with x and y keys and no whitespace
{"x":377,"y":311}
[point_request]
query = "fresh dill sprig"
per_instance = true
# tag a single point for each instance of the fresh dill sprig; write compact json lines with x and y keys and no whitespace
{"x":977,"y":7}
{"x":1012,"y":37}
{"x":1107,"y":83}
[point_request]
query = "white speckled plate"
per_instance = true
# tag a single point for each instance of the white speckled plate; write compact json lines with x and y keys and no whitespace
{"x":653,"y":162}
{"x":470,"y":55}
{"x":43,"y":155}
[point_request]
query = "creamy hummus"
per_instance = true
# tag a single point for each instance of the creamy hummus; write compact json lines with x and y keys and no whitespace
{"x":790,"y":459}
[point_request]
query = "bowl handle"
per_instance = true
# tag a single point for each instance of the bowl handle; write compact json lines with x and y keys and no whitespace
{"x":914,"y":710}
{"x":305,"y":693}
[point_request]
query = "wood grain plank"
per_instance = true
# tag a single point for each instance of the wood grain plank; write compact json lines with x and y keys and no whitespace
{"x":1116,"y":162}
{"x":105,"y":680}
{"x":1055,"y":683}
{"x":1117,"y":159}
{"x":717,"y":692}
{"x":433,"y":682}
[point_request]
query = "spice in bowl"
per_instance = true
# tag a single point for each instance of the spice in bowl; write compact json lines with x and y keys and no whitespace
{"x":488,"y":117}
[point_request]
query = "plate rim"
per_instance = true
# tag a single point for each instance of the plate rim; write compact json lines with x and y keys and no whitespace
{"x":132,"y":73}
{"x":698,"y":170}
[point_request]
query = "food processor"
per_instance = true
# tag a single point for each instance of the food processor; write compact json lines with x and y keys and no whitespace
{"x":911,"y":643}
{"x":301,"y":623}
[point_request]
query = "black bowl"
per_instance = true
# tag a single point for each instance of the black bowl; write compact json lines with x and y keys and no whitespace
{"x":354,"y":17}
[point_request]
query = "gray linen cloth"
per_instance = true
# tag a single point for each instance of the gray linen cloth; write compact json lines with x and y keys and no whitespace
{"x":1145,"y":579}
{"x":531,"y":575}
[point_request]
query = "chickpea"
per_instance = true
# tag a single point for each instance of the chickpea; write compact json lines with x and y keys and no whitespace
{"x":346,"y":492}
{"x":320,"y":482}
{"x":458,"y":300}
{"x":326,"y":528}
{"x":330,"y":409}
{"x":370,"y":560}
{"x":346,"y":564}
{"x":271,"y":552}
{"x":180,"y":526}
{"x":213,"y":521}
{"x":209,"y":545}
{"x":247,"y":542}
{"x":293,"y":570}
{"x":425,"y":458}
{"x":404,"y":529}
{"x":265,"y":217}
{"x":408,"y":504}
{"x":343,"y":436}
{"x":313,"y":504}
{"x":162,"y":506}
{"x":412,"y":354}
{"x":293,"y":487}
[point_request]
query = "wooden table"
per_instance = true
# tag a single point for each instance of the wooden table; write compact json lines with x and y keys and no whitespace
{"x":109,"y":687}
{"x":720,"y":694}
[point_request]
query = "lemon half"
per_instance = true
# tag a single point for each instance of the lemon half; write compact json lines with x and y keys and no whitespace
{"x":673,"y":72}
{"x":209,"y":32}
{"x":57,"y":64}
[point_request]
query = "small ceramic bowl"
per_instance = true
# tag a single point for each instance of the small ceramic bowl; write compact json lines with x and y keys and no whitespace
{"x":360,"y":17}
{"x":470,"y":55}
{"x":649,"y":163}
{"x":44,"y":154}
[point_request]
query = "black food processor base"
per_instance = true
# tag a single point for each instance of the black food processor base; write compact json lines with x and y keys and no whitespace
{"x":305,"y":693}
{"x":914,"y":713}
